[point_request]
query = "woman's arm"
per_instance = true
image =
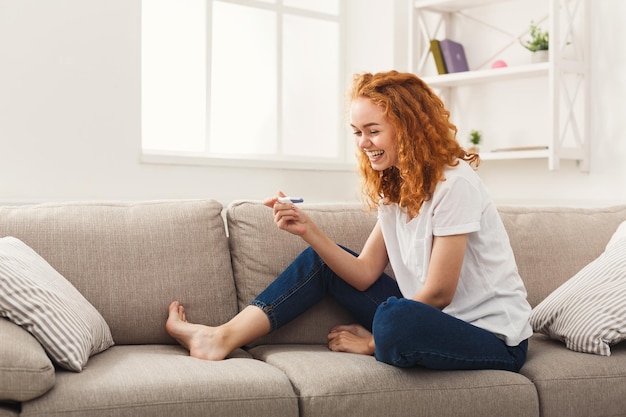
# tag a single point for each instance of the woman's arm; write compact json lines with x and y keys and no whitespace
{"x":444,"y":270}
{"x":360,"y":272}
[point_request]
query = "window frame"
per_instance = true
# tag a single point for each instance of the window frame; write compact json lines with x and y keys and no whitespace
{"x":345,"y":160}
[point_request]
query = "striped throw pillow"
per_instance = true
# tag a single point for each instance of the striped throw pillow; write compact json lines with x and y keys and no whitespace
{"x":36,"y":297}
{"x":588,"y":311}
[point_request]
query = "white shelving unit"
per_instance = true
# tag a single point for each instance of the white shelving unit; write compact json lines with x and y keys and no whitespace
{"x":567,"y":70}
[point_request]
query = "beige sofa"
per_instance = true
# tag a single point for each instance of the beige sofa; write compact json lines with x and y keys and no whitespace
{"x":131,"y":259}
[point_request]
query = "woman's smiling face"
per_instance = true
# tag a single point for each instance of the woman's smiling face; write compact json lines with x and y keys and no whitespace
{"x":374,"y":135}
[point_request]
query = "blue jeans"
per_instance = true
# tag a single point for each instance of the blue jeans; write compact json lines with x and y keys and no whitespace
{"x":406,"y":333}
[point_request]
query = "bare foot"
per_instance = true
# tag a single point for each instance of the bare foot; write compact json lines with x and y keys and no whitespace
{"x":352,"y":338}
{"x":202,"y":342}
{"x":354,"y":328}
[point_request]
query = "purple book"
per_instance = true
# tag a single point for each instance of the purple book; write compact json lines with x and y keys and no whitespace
{"x":454,"y":56}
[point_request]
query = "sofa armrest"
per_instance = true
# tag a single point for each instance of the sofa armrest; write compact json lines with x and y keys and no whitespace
{"x":26,"y":372}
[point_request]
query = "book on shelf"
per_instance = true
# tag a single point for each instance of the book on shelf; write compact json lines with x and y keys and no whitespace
{"x":453,"y":56}
{"x":436,"y":51}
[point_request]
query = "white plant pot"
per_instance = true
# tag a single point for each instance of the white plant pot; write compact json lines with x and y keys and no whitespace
{"x":539,"y":56}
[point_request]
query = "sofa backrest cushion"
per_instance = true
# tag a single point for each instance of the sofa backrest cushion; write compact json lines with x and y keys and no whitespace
{"x":131,"y":259}
{"x":551,"y":244}
{"x":261,"y":251}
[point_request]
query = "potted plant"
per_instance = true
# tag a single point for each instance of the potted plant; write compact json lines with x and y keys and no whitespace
{"x":538,"y":43}
{"x":474,"y":137}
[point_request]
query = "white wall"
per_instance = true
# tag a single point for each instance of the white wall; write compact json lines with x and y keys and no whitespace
{"x":70,"y":113}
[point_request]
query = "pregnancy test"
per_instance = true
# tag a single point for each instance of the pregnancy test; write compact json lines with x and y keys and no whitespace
{"x":290,"y":200}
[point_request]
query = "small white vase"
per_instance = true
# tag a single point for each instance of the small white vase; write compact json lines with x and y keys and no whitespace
{"x":539,"y":56}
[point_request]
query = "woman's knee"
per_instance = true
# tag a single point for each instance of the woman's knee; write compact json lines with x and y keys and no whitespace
{"x":308,"y":252}
{"x":397,"y":312}
{"x":387,"y":328}
{"x":396,"y":321}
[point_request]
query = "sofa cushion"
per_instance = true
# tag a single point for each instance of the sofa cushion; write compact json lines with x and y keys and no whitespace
{"x":576,"y":384}
{"x":25,"y":370}
{"x":163,"y":380}
{"x":551,"y":244}
{"x":36,"y":297}
{"x":588,"y":312}
{"x":344,"y":384}
{"x":132,"y":259}
{"x":260,"y":252}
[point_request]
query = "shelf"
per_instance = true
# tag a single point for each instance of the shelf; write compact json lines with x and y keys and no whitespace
{"x":489,"y":75}
{"x":502,"y":155}
{"x":567,"y":93}
{"x":449,"y":6}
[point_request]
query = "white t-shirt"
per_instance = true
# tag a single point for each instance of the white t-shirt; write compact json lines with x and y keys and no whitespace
{"x":490,"y":293}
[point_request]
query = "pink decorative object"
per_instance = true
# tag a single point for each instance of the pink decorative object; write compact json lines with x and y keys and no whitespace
{"x":499,"y":64}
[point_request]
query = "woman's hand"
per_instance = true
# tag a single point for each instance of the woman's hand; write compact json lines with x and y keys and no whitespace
{"x":288,"y":216}
{"x":351,"y":338}
{"x":359,"y":271}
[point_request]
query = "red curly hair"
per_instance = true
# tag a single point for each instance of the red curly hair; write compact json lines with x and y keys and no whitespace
{"x":426,"y":140}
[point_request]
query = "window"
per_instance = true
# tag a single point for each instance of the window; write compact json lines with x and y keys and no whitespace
{"x":244,"y":80}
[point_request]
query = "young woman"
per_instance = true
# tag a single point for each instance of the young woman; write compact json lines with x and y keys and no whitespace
{"x":457,"y":301}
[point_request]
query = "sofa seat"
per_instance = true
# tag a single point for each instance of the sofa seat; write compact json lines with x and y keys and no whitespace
{"x":343,"y":384}
{"x":572,"y":383}
{"x":163,"y":380}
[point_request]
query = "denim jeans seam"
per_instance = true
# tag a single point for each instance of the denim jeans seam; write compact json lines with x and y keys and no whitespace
{"x":269,"y":308}
{"x":295,"y":288}
{"x":376,"y":302}
{"x":511,"y":363}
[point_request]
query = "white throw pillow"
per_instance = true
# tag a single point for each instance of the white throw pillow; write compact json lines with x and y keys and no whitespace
{"x":588,"y":312}
{"x":36,"y":297}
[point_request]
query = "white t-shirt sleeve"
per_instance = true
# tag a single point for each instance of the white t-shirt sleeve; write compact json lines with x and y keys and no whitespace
{"x":457,"y":207}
